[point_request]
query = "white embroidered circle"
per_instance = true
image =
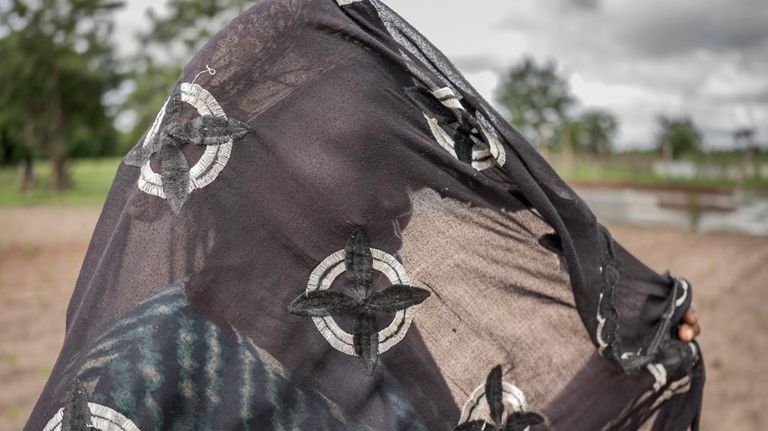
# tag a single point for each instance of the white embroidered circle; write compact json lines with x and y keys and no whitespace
{"x":102,"y":418}
{"x":685,"y":286}
{"x":482,"y":158}
{"x":511,"y":394}
{"x":214,"y":158}
{"x":329,"y":269}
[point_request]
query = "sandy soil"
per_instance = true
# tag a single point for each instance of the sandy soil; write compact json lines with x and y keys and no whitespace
{"x":41,"y":250}
{"x":729,"y":274}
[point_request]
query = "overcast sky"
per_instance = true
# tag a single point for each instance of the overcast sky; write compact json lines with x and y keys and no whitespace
{"x":638,"y":59}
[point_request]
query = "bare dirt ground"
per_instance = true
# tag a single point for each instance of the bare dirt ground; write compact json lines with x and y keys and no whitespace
{"x":41,"y":250}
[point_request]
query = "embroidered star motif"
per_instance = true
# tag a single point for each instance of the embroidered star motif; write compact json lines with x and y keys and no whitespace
{"x":462,"y":126}
{"x":553,"y":243}
{"x":175,"y":134}
{"x":361,"y":302}
{"x":494,"y":396}
{"x":77,"y":414}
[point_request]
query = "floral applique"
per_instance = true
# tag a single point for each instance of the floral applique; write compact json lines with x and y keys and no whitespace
{"x":496,"y":392}
{"x":466,"y":136}
{"x":358,"y":261}
{"x":78,"y":414}
{"x":553,"y":243}
{"x":168,"y":135}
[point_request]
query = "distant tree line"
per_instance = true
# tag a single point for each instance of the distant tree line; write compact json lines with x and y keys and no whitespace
{"x":60,"y":75}
{"x":540,"y":104}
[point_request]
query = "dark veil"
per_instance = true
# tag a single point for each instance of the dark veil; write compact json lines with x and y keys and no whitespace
{"x":327,"y":228}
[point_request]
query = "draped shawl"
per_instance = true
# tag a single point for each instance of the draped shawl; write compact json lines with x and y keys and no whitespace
{"x":327,"y":228}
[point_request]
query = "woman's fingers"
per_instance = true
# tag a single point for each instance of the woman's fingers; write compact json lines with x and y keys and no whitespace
{"x":690,"y":328}
{"x":685,"y":332}
{"x":690,"y":317}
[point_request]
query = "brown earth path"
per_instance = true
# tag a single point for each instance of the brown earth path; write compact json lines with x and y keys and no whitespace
{"x":41,"y":250}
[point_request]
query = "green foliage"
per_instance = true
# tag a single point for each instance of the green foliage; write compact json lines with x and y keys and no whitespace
{"x":56,"y":69}
{"x":677,"y":136}
{"x":91,"y":179}
{"x":538,"y":101}
{"x":568,"y":135}
{"x":536,"y":97}
{"x":614,"y":171}
{"x":590,"y":133}
{"x":598,"y":128}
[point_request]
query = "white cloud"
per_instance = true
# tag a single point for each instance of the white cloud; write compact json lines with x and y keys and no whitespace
{"x":128,"y":21}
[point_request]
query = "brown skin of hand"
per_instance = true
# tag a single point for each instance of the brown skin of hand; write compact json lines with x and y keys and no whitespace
{"x":689,"y":328}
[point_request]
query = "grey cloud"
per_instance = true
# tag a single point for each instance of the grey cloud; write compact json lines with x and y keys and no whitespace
{"x":585,"y":4}
{"x":759,"y":97}
{"x":716,"y":26}
{"x":478,"y":63}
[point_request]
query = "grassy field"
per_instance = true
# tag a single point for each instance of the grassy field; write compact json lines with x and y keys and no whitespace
{"x":606,"y":172}
{"x":91,"y":179}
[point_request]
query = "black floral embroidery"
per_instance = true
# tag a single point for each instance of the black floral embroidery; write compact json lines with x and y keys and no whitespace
{"x":77,"y":414}
{"x":494,"y":396}
{"x":459,"y":123}
{"x":553,"y":243}
{"x":174,"y":168}
{"x":360,"y":301}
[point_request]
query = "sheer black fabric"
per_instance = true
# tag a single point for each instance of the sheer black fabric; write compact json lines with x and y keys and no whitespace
{"x":327,"y":228}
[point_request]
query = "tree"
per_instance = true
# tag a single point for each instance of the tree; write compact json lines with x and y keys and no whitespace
{"x":56,"y":69}
{"x":537,"y":99}
{"x":598,"y":129}
{"x":590,"y":133}
{"x":677,"y":136}
{"x":568,"y":135}
{"x":744,"y":139}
